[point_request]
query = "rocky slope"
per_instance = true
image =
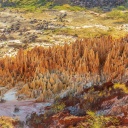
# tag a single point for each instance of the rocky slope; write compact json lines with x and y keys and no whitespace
{"x":109,"y":106}
{"x":98,"y":3}
{"x":84,"y":3}
{"x":79,"y":78}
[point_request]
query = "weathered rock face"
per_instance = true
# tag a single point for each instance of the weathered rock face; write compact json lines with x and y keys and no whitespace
{"x":7,"y":3}
{"x":91,"y":3}
{"x":116,"y":106}
{"x":51,"y":71}
{"x":65,"y":120}
{"x":85,"y":3}
{"x":97,"y":3}
{"x":61,"y":120}
{"x":108,"y":102}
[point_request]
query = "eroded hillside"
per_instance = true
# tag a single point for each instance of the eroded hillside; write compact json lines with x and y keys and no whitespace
{"x":65,"y":67}
{"x":88,"y":68}
{"x":98,"y":60}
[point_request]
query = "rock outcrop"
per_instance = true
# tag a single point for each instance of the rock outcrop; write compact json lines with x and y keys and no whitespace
{"x":98,"y":60}
{"x":98,"y":3}
{"x":85,"y":3}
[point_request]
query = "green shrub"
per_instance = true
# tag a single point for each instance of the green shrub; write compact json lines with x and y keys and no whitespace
{"x":118,"y":14}
{"x":99,"y":121}
{"x":58,"y":107}
{"x":55,"y":108}
{"x":121,"y":8}
{"x":68,"y":7}
{"x":115,"y":14}
{"x":125,"y":17}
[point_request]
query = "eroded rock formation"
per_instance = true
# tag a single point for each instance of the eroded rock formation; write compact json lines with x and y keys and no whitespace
{"x":49,"y":71}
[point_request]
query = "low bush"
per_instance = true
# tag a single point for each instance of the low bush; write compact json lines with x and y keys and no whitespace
{"x":99,"y":121}
{"x":68,"y":7}
{"x":121,"y":8}
{"x":115,"y":14}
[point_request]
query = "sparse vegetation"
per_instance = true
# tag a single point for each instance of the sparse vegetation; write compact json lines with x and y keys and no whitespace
{"x":58,"y":107}
{"x":99,"y":121}
{"x":118,"y":15}
{"x":121,"y":8}
{"x":115,"y":14}
{"x":89,"y":32}
{"x":68,"y":7}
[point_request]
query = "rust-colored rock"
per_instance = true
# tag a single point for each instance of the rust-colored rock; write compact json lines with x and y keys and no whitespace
{"x":71,"y":120}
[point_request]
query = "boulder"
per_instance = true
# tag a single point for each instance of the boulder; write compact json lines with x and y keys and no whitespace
{"x":3,"y":37}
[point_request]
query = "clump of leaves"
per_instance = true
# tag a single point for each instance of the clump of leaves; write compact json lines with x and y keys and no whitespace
{"x":99,"y":121}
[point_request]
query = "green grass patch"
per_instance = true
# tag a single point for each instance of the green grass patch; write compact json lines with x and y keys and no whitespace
{"x":68,"y":7}
{"x":89,"y":32}
{"x":121,"y":8}
{"x":115,"y":14}
{"x":33,"y":5}
{"x":118,"y":14}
